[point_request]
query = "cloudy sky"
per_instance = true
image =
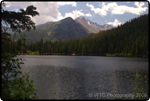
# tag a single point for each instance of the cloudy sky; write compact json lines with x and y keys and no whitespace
{"x":113,"y":13}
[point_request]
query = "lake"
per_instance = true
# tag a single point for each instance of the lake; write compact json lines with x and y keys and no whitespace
{"x":83,"y":77}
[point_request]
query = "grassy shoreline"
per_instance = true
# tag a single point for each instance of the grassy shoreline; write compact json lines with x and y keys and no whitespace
{"x":73,"y":54}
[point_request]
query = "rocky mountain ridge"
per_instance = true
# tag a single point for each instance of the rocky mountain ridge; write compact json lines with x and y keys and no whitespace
{"x":64,"y":29}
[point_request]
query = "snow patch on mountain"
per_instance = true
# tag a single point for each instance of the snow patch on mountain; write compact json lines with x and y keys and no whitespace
{"x":88,"y":22}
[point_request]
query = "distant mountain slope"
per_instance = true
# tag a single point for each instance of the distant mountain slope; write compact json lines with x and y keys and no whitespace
{"x":9,"y":30}
{"x":60,"y":30}
{"x":63,"y":30}
{"x":90,"y":26}
{"x":67,"y":29}
{"x":44,"y":24}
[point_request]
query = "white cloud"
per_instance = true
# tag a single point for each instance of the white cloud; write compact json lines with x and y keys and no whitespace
{"x":123,"y":9}
{"x":67,"y":3}
{"x":76,"y":13}
{"x":123,"y":23}
{"x":114,"y":8}
{"x":42,"y":19}
{"x":7,"y":4}
{"x":20,"y":4}
{"x":99,"y":11}
{"x":88,"y":15}
{"x":48,"y":10}
{"x":59,"y":17}
{"x":89,"y":5}
{"x":115,"y":23}
{"x":16,"y":10}
{"x":139,"y":4}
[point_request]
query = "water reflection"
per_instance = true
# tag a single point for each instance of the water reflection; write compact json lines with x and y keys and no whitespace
{"x":76,"y":83}
{"x":77,"y":77}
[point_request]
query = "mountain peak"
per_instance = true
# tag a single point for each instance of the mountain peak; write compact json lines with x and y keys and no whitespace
{"x":67,"y":19}
{"x":107,"y":25}
{"x":81,"y":17}
{"x":91,"y":26}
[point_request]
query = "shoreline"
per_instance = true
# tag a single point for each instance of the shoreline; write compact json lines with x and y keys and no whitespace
{"x":87,"y":55}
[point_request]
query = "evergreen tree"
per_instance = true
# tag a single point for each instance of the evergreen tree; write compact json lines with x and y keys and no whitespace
{"x":19,"y":87}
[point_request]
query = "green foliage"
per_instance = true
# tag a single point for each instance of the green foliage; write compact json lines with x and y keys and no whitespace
{"x":117,"y":98}
{"x":129,"y":54}
{"x":14,"y":84}
{"x":22,"y":20}
{"x":116,"y":54}
{"x":20,"y":88}
{"x":32,"y":53}
{"x":21,"y":44}
{"x":139,"y":82}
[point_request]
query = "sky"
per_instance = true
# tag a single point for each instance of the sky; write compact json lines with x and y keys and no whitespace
{"x":113,"y":13}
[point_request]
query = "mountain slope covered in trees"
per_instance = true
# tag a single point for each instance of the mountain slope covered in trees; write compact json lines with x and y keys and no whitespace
{"x":130,"y":39}
{"x":62,"y":30}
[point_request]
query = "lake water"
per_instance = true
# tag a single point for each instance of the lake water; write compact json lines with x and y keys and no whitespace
{"x":83,"y":77}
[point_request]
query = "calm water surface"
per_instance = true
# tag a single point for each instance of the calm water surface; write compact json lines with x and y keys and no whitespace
{"x":81,"y":77}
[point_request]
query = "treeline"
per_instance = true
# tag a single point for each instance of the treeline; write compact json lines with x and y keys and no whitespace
{"x":130,"y":39}
{"x":16,"y":47}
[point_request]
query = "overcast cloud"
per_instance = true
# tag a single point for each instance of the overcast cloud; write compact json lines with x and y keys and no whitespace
{"x":114,"y":8}
{"x":54,"y":11}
